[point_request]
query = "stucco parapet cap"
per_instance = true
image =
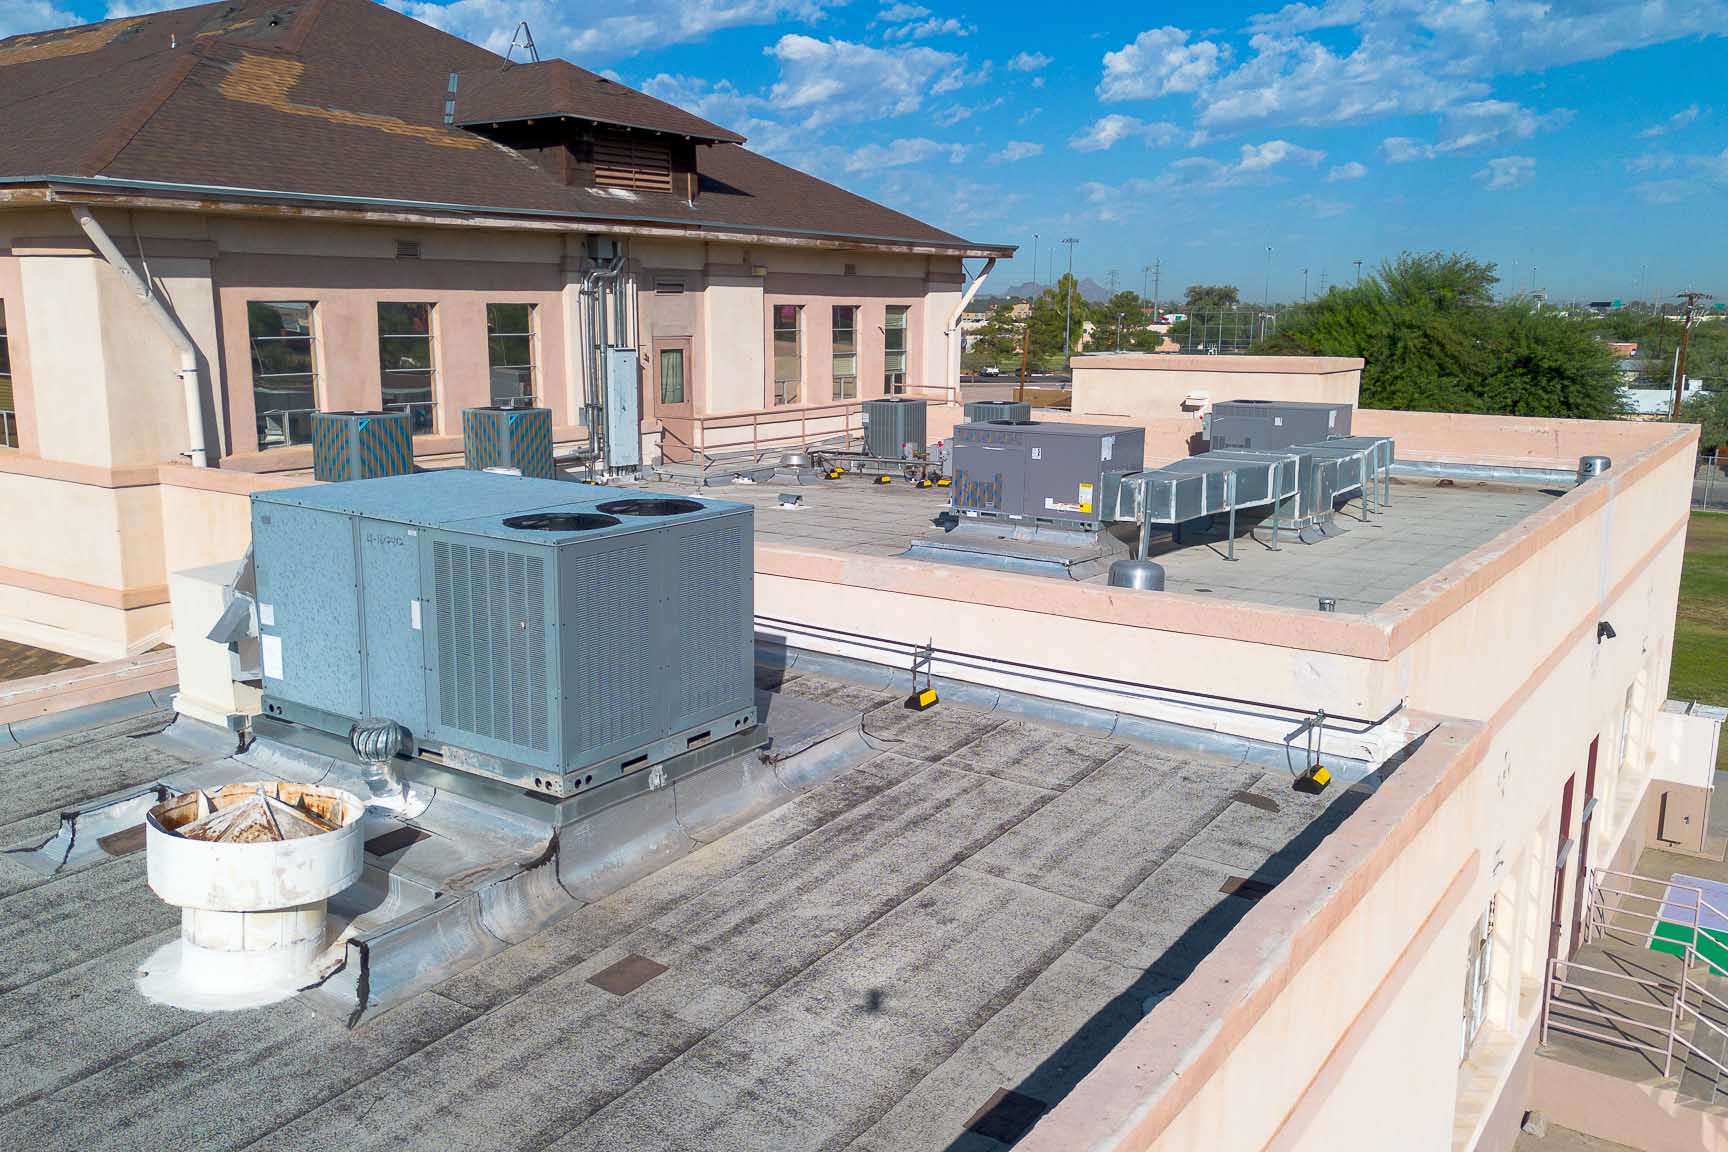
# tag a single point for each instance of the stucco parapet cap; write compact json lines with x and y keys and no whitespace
{"x":1170,"y":362}
{"x":1259,"y":624}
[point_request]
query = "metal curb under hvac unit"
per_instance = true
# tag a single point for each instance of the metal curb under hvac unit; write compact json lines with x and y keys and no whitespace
{"x":501,"y":437}
{"x":539,"y":633}
{"x":361,"y":445}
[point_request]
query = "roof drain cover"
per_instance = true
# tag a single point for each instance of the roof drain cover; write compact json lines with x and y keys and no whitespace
{"x":251,"y":867}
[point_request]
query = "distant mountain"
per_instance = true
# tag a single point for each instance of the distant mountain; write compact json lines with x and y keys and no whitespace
{"x":1090,"y":289}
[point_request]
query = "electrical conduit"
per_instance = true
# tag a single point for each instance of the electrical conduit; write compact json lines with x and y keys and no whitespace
{"x":951,"y":379}
{"x":190,"y":381}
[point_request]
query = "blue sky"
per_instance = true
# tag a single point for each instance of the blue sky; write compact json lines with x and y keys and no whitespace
{"x":1580,"y":145}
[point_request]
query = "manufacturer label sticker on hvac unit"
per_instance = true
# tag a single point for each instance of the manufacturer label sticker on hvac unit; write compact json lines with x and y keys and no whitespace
{"x":1086,"y":496}
{"x":1037,"y":453}
{"x":271,"y":649}
{"x":1277,"y":421}
{"x":267,"y":615}
{"x":1055,"y":505}
{"x":414,"y":615}
{"x":1332,"y":419}
{"x":1109,"y":443}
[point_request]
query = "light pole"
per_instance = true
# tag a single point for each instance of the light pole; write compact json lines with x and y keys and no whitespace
{"x":1266,"y":296}
{"x":1358,"y":264}
{"x":1118,"y":331}
{"x":1068,"y":303}
{"x":1304,"y":285}
{"x":1034,"y":259}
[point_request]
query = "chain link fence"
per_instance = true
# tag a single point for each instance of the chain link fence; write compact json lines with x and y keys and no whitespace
{"x":1226,"y":331}
{"x":1710,"y":482}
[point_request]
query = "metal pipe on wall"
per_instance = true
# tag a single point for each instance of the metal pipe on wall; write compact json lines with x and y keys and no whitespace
{"x":191,"y":382}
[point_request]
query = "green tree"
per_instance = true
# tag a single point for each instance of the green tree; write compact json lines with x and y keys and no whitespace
{"x":1212,"y":296}
{"x":1434,"y":339}
{"x":1710,"y":410}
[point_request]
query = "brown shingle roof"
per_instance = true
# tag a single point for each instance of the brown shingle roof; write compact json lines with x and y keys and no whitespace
{"x":558,"y":88}
{"x":344,"y":100}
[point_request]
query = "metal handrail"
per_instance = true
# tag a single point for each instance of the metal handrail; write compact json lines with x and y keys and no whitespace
{"x":1597,"y":915}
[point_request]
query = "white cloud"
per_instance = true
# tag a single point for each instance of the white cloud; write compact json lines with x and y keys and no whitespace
{"x":1108,"y":131}
{"x":20,"y":16}
{"x":1158,"y":62}
{"x":1674,"y":123}
{"x":1256,"y":164}
{"x":924,"y":29}
{"x":899,"y":153}
{"x":1319,"y":208}
{"x":1474,"y":125}
{"x":899,"y":13}
{"x":837,"y":81}
{"x":590,"y":32}
{"x":1354,"y":170}
{"x":1029,"y":62}
{"x":1665,"y":191}
{"x":1504,"y":173}
{"x":1018,"y":150}
{"x":1384,"y":57}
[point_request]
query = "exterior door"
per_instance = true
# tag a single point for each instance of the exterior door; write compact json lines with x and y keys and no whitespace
{"x":674,"y":402}
{"x":1581,"y":883}
{"x":1558,"y":922}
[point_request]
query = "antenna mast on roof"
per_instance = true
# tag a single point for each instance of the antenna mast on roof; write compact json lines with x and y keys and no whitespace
{"x":523,"y":38}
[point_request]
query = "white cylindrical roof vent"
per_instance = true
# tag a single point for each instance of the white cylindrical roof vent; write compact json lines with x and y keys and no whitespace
{"x":250,"y":867}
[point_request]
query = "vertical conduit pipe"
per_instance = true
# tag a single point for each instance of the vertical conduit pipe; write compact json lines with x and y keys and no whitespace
{"x":190,"y":383}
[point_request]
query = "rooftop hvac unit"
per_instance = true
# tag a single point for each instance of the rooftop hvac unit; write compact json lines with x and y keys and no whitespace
{"x":550,"y":636}
{"x":1273,"y":424}
{"x":361,"y":445}
{"x":1036,"y":471}
{"x":982,"y":411}
{"x":894,"y":428}
{"x":498,"y":437}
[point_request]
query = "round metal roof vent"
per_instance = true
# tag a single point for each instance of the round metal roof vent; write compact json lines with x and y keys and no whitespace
{"x":650,"y":507}
{"x":560,"y":522}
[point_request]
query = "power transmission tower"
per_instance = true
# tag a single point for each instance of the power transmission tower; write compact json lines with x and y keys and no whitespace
{"x":1686,"y":321}
{"x":1111,"y":279}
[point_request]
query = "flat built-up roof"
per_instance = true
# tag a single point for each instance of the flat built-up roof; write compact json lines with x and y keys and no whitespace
{"x":926,"y":951}
{"x":1429,"y":524}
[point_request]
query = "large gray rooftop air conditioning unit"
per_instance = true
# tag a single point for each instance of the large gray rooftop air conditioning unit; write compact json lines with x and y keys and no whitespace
{"x":894,"y":428}
{"x":980,"y":411}
{"x":1041,"y":471}
{"x":550,"y":636}
{"x":501,"y":437}
{"x":1272,"y":424}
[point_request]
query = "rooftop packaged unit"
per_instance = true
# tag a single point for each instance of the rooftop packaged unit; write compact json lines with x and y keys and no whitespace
{"x":499,"y":437}
{"x":361,"y":445}
{"x":1030,"y":470}
{"x":981,"y":411}
{"x":1274,"y":424}
{"x":534,"y":632}
{"x":894,"y":428}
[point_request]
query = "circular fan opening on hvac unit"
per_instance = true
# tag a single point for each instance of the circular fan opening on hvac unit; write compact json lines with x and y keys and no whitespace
{"x":649,"y":507}
{"x":560,"y":522}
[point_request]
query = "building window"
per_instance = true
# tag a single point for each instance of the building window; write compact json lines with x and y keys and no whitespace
{"x":671,"y":377}
{"x":631,"y":160}
{"x":1476,"y":977}
{"x":894,"y":349}
{"x":8,"y":405}
{"x":284,"y":371}
{"x":788,"y":352}
{"x":510,"y":353}
{"x":845,"y":352}
{"x":405,"y":361}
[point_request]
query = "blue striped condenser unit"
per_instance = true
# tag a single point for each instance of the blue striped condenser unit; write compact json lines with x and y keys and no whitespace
{"x":361,"y":445}
{"x":519,"y":438}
